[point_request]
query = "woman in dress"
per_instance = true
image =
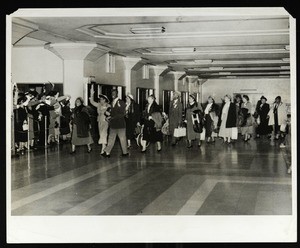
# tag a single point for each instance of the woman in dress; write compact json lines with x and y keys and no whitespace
{"x":132,"y":118}
{"x":247,"y":124}
{"x":175,"y":115}
{"x":210,"y":114}
{"x":262,"y":110}
{"x":227,"y":119}
{"x":152,"y":121}
{"x":238,"y":104}
{"x":102,"y":106}
{"x":81,"y":126}
{"x":193,"y":108}
{"x":278,"y":116}
{"x":21,"y":125}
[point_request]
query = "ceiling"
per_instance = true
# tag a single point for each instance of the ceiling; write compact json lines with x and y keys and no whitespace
{"x":203,"y":46}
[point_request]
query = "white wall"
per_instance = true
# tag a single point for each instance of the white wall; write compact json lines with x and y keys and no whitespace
{"x":138,"y":81}
{"x":102,"y":77}
{"x":36,"y":65}
{"x":256,"y":87}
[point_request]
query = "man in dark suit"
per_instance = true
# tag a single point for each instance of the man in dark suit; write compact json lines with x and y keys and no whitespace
{"x":117,"y":125}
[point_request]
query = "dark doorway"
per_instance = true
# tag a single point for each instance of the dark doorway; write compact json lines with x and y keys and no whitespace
{"x":106,"y":90}
{"x":167,"y":97}
{"x":24,"y":87}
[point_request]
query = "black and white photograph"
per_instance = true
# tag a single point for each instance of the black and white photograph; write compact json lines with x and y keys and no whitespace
{"x":151,"y":125}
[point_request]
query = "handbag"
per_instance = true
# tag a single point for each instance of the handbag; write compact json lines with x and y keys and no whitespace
{"x":202,"y":134}
{"x":25,"y":127}
{"x":197,"y":120}
{"x":234,"y":133}
{"x":283,"y":128}
{"x":258,"y":120}
{"x":180,"y":132}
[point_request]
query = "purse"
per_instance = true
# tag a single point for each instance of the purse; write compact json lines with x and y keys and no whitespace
{"x":25,"y":126}
{"x":180,"y":132}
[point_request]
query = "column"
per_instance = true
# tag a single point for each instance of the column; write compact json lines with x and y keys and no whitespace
{"x":73,"y":55}
{"x":158,"y":70}
{"x":156,"y":87}
{"x":177,"y":75}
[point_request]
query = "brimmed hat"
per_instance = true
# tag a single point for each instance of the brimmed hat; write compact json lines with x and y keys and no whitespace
{"x":211,"y":97}
{"x":193,"y":96}
{"x":229,"y":96}
{"x":177,"y":93}
{"x":104,"y":97}
{"x":152,"y":96}
{"x":263,"y":97}
{"x":130,"y":96}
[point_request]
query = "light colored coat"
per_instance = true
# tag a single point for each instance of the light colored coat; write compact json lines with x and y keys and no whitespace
{"x":282,"y":114}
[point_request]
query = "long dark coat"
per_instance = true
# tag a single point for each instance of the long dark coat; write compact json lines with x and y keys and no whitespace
{"x":20,"y":115}
{"x":132,"y":117}
{"x":149,"y":131}
{"x":191,"y":134}
{"x":82,"y":121}
{"x":262,"y":111}
{"x":175,"y":116}
{"x":209,"y":124}
{"x":231,"y":117}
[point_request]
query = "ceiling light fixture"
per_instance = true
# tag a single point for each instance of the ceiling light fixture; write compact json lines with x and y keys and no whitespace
{"x":286,"y":59}
{"x":216,"y":68}
{"x":184,"y":50}
{"x":224,"y":73}
{"x":207,"y":61}
{"x":146,"y":30}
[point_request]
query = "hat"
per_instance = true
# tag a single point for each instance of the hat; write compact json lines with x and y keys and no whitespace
{"x":193,"y":96}
{"x":152,"y":96}
{"x":104,"y":97}
{"x":130,"y":96}
{"x":227,"y":95}
{"x":263,"y":97}
{"x":52,"y":93}
{"x":211,"y":97}
{"x":21,"y":99}
{"x":176,"y":93}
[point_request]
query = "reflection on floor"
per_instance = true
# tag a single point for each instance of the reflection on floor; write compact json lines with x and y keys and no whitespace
{"x":216,"y":179}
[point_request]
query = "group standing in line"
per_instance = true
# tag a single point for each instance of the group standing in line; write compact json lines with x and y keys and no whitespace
{"x":122,"y":119}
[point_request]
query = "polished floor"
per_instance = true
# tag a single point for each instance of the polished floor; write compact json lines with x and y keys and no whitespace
{"x":215,"y":179}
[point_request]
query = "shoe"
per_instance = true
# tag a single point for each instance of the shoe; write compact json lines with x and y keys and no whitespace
{"x":159,"y":150}
{"x":89,"y":150}
{"x":190,"y":146}
{"x":143,"y":151}
{"x":73,"y":152}
{"x":129,"y":147}
{"x":104,"y":154}
{"x":125,"y":155}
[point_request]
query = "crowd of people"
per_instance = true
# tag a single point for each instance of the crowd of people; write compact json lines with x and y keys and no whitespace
{"x":46,"y":118}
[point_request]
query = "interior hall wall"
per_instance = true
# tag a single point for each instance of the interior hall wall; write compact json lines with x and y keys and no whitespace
{"x":166,"y":83}
{"x":102,"y":77}
{"x":88,"y":68}
{"x":35,"y":65}
{"x":183,"y":85}
{"x":138,"y":81}
{"x":256,"y":87}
